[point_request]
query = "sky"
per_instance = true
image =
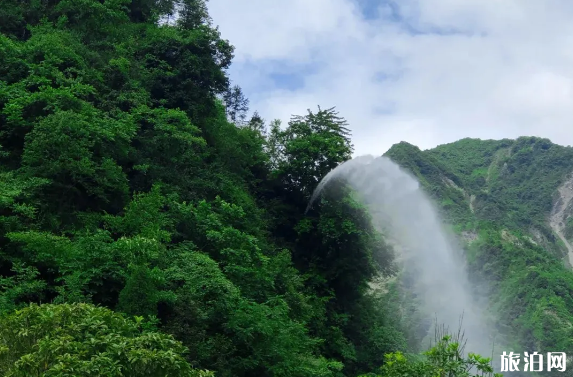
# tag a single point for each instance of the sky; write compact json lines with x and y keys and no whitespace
{"x":427,"y":72}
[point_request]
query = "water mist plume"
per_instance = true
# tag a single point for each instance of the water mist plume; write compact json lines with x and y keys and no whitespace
{"x":408,"y":219}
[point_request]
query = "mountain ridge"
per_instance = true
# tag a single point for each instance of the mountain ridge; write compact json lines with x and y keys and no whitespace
{"x":479,"y":187}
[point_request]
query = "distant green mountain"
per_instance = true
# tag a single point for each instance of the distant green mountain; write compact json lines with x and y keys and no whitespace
{"x":511,"y":202}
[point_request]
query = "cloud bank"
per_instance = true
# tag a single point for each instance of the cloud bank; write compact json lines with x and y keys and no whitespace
{"x":423,"y":71}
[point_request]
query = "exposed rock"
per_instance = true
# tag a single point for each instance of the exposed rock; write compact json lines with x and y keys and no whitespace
{"x":558,"y":217}
{"x":469,"y":198}
{"x":469,"y":236}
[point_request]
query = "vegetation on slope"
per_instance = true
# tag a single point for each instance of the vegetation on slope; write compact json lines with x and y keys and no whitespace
{"x":503,"y":194}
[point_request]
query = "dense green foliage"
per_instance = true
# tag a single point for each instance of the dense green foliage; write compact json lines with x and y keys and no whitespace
{"x":82,"y":340}
{"x":134,"y":185}
{"x":446,"y":358}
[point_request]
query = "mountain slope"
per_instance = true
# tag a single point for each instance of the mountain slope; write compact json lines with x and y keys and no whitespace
{"x":510,"y":200}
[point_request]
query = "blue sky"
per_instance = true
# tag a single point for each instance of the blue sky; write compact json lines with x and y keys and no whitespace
{"x":369,"y":8}
{"x":424,"y":71}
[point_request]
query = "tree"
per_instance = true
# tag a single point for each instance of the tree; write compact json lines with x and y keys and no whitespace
{"x":257,"y":124}
{"x":236,"y":104}
{"x":445,"y":359}
{"x":313,"y":144}
{"x":84,"y":340}
{"x":274,"y":145}
{"x":192,"y":14}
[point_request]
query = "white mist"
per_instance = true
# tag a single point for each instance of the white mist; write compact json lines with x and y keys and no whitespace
{"x":410,"y":221}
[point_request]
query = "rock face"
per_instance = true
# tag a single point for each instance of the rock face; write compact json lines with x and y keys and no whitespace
{"x":561,"y":212}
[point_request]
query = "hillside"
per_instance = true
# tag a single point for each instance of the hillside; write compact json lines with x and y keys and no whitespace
{"x":151,"y":225}
{"x":510,"y":200}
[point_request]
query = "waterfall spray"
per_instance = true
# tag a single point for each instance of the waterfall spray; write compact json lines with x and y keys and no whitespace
{"x":408,"y":218}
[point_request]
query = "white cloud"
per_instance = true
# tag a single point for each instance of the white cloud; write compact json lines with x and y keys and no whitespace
{"x":510,"y":73}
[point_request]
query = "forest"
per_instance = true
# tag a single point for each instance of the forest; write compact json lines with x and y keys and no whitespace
{"x":151,"y":225}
